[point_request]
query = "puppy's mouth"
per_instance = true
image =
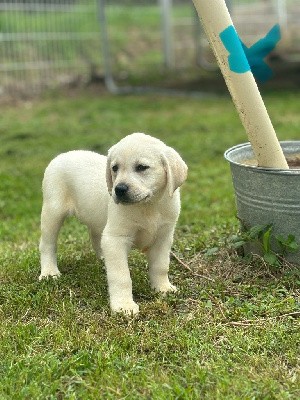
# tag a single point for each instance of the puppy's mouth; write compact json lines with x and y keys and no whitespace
{"x":129,"y":200}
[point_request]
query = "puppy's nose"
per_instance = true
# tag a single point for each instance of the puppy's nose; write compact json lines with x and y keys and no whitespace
{"x":121,"y":189}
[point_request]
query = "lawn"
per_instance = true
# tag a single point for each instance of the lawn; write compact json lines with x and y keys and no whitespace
{"x":230,"y":332}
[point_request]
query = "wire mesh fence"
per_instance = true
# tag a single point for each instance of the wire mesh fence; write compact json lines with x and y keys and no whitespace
{"x":44,"y":43}
{"x":159,"y":43}
{"x":144,"y":42}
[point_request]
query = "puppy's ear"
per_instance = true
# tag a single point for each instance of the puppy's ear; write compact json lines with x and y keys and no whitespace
{"x":176,"y":169}
{"x":109,"y":181}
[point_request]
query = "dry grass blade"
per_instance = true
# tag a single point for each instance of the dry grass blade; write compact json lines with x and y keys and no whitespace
{"x":189,"y":268}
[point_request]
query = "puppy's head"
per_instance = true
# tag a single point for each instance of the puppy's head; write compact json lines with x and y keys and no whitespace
{"x":140,"y":168}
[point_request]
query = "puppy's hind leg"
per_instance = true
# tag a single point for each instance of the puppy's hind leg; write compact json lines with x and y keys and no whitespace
{"x":95,"y":236}
{"x":52,"y":218}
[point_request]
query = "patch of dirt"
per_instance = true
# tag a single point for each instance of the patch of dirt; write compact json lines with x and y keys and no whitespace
{"x":292,"y":160}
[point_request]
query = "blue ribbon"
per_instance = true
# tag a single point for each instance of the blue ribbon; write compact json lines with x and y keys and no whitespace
{"x":242,"y":58}
{"x":237,"y":59}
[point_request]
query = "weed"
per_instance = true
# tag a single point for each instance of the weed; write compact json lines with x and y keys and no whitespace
{"x":272,"y":247}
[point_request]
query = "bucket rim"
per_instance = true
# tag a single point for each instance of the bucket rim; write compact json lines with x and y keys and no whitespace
{"x":247,"y":145}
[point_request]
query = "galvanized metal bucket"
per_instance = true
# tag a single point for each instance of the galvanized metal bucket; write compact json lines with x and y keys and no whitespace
{"x":267,"y":196}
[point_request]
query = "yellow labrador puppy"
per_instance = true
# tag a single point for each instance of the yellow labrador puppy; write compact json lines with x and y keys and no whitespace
{"x":130,"y":198}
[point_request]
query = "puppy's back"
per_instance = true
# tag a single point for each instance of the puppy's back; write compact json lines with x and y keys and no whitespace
{"x":75,"y":177}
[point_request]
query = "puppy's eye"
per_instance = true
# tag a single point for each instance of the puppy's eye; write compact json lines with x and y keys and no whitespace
{"x":141,"y":167}
{"x":115,"y":168}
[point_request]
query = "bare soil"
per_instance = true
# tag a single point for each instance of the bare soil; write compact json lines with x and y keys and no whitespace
{"x":292,"y":160}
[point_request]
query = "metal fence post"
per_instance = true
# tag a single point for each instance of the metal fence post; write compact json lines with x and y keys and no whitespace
{"x":166,"y":11}
{"x":282,"y":14}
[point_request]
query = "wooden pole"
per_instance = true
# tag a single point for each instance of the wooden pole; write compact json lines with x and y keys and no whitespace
{"x":245,"y":94}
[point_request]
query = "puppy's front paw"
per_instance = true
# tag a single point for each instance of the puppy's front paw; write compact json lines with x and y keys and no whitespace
{"x":165,"y":288}
{"x":45,"y":273}
{"x":128,"y":307}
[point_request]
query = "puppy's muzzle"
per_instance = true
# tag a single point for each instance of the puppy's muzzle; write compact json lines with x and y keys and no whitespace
{"x":121,"y":191}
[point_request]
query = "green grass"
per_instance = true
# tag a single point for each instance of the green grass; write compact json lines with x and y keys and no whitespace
{"x":231,"y":331}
